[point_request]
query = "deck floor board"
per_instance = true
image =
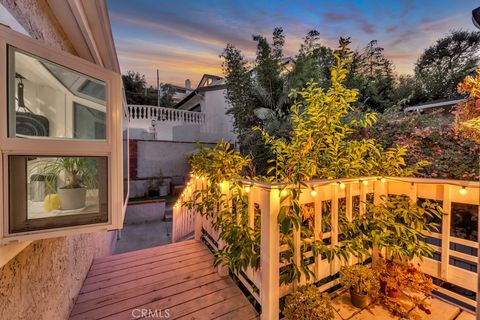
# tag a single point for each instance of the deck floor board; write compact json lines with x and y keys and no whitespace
{"x":179,"y":277}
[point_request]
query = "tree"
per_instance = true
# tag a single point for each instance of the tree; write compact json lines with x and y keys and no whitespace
{"x":166,"y":99}
{"x":137,"y":92}
{"x":313,"y":63}
{"x":372,"y":74}
{"x":323,"y":140}
{"x":239,"y":93}
{"x":258,"y":94}
{"x":269,"y":83}
{"x":135,"y":87}
{"x":408,"y":91}
{"x":446,"y":63}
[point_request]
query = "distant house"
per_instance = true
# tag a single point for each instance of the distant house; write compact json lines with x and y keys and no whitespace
{"x":445,"y":105}
{"x":209,"y":99}
{"x":179,"y":92}
{"x":160,"y":137}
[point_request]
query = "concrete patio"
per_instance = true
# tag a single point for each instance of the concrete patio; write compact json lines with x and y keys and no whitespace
{"x":440,"y":309}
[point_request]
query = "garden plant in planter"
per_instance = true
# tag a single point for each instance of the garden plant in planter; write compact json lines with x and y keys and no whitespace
{"x":308,"y":303}
{"x":79,"y":174}
{"x":399,"y":278}
{"x":363,"y":283}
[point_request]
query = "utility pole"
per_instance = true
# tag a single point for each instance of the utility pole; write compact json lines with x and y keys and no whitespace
{"x":158,"y":88}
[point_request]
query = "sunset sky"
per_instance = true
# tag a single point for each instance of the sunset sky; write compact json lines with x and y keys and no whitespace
{"x":183,"y":39}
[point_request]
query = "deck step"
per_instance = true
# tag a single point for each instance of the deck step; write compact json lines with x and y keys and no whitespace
{"x":177,"y":277}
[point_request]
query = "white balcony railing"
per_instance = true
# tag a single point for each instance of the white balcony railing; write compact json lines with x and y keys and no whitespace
{"x":143,"y":112}
{"x":264,"y":283}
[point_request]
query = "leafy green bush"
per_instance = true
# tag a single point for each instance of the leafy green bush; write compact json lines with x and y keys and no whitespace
{"x":308,"y":303}
{"x":360,"y":279}
{"x":396,"y":224}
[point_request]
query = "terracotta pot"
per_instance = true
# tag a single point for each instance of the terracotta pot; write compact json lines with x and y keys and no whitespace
{"x":393,"y":292}
{"x":359,"y":300}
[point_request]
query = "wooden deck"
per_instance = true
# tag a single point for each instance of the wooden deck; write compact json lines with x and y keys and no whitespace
{"x":177,"y":279}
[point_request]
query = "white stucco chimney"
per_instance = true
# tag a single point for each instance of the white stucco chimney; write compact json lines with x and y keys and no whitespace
{"x":188,"y":84}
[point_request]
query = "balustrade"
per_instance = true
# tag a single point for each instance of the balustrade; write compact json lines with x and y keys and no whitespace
{"x":456,"y":244}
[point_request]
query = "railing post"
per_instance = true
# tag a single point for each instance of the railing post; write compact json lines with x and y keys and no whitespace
{"x":446,"y":221}
{"x":269,"y":254}
{"x":225,"y":190}
{"x":198,"y":215}
{"x":380,"y":189}
{"x":318,"y":232}
{"x":174,"y":223}
{"x":334,"y":223}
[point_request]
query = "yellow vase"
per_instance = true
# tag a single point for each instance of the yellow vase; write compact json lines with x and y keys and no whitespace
{"x":51,"y":202}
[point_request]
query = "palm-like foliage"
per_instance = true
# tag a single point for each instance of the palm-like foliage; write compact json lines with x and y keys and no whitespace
{"x":79,"y":172}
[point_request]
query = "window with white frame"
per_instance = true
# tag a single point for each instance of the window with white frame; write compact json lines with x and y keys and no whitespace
{"x":60,"y":141}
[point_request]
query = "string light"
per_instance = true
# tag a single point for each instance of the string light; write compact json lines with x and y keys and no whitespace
{"x":463,"y":191}
{"x":284,"y":193}
{"x":247,"y":189}
{"x":313,"y":193}
{"x":383,"y":180}
{"x":342,"y":185}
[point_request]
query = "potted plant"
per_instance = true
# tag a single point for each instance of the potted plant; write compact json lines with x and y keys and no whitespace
{"x":79,"y":173}
{"x":399,"y":278}
{"x":363,"y":283}
{"x":308,"y":303}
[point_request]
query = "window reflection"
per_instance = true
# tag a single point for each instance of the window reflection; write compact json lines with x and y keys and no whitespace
{"x":49,"y":100}
{"x":60,"y":191}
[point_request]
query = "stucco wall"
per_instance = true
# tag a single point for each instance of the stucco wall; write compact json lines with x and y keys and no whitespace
{"x":43,"y":280}
{"x":37,"y":19}
{"x":153,"y":157}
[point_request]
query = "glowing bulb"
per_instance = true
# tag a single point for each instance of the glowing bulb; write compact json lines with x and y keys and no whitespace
{"x":313,"y":193}
{"x":365,"y":182}
{"x":284,"y":193}
{"x":191,"y":175}
{"x":342,"y":185}
{"x":463,"y":191}
{"x":383,"y":180}
{"x":203,"y":178}
{"x":247,"y":189}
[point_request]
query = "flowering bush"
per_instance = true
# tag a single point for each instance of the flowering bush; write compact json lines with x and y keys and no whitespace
{"x":430,"y":137}
{"x":467,"y":114}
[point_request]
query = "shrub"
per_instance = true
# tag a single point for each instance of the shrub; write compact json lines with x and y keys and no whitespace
{"x":360,"y":279}
{"x":396,"y":224}
{"x":430,"y":137}
{"x":404,"y":278}
{"x":308,"y":303}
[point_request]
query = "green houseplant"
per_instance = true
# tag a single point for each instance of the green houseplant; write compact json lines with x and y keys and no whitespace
{"x":79,"y":173}
{"x":362,"y":282}
{"x":308,"y":303}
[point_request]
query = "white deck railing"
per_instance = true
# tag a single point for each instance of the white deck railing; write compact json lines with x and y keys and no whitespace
{"x":143,"y":112}
{"x":264,"y":283}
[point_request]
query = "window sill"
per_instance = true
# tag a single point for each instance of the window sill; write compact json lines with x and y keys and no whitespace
{"x":9,"y":251}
